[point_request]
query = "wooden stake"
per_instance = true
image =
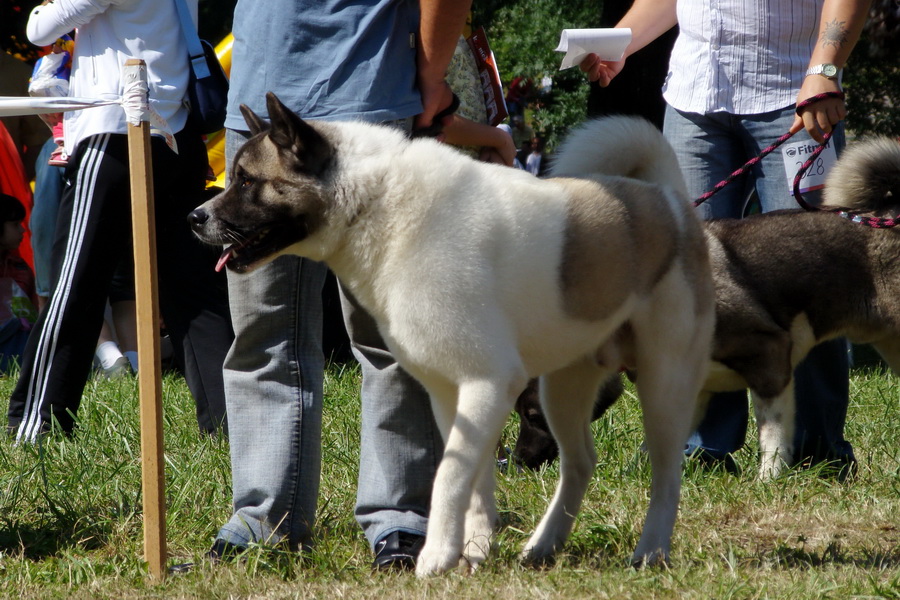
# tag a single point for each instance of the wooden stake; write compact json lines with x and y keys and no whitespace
{"x":150,"y":376}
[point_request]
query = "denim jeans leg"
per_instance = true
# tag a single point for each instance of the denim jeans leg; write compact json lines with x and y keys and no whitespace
{"x":273,"y":389}
{"x":400,"y":443}
{"x":708,"y":150}
{"x":771,"y":181}
{"x":710,"y":147}
{"x":48,"y":189}
{"x":823,"y":390}
{"x":273,"y":386}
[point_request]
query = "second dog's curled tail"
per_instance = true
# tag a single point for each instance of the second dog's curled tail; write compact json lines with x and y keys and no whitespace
{"x":866,"y":178}
{"x":620,"y":145}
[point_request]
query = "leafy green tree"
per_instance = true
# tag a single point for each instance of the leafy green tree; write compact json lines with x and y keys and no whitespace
{"x":13,"y":18}
{"x":872,"y":77}
{"x":523,"y":35}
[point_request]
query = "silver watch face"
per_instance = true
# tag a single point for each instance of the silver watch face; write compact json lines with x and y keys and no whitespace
{"x":829,"y":70}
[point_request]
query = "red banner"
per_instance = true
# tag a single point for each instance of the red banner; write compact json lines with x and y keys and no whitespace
{"x":490,"y":77}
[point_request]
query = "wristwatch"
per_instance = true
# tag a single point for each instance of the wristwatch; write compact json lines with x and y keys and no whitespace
{"x":827,"y":70}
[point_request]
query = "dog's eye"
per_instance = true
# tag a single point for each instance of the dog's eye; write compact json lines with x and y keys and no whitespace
{"x":246,"y":181}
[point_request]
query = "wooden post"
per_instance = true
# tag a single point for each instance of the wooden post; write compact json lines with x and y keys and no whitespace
{"x":150,"y":377}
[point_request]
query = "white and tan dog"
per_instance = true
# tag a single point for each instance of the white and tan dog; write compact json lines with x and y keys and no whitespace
{"x":481,"y":277}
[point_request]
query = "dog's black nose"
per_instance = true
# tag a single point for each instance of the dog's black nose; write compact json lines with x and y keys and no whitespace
{"x":198,"y":218}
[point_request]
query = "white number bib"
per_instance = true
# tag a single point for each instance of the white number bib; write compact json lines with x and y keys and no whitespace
{"x":797,"y":153}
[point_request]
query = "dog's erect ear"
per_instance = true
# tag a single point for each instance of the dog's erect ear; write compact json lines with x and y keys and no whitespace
{"x":253,"y":121}
{"x":293,"y":134}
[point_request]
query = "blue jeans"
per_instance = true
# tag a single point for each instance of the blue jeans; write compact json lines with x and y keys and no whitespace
{"x":709,"y":148}
{"x":48,"y":189}
{"x":273,"y":389}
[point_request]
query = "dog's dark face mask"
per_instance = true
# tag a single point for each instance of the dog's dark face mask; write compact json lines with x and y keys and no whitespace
{"x":535,"y":446}
{"x":275,"y":197}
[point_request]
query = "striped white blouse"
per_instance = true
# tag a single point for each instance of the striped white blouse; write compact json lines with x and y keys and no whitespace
{"x":740,"y":56}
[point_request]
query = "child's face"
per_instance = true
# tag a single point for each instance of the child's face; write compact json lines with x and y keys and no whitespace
{"x":11,"y":235}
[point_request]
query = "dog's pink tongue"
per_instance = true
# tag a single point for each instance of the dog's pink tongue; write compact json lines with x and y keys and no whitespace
{"x":223,"y":260}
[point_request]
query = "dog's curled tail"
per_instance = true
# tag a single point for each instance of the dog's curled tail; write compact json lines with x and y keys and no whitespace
{"x":620,"y":145}
{"x":866,"y":178}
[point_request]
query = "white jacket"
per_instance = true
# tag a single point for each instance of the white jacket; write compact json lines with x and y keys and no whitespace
{"x":109,"y":32}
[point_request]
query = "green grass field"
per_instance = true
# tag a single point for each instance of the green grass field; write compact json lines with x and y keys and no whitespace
{"x":71,"y":521}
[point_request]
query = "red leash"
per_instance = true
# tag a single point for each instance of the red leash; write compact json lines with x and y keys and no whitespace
{"x":875,"y":222}
{"x":747,"y":166}
{"x":768,"y":150}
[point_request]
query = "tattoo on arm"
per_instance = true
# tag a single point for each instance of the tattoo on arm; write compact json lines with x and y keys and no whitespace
{"x":834,"y":34}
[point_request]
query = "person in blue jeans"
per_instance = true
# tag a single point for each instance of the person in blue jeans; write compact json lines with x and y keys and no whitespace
{"x":736,"y":73}
{"x":378,"y":61}
{"x":48,"y":188}
{"x":707,"y":146}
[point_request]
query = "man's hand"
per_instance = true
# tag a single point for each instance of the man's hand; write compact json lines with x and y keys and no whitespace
{"x":436,"y":96}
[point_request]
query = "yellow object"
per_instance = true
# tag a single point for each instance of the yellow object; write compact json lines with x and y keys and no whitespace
{"x":215,"y":149}
{"x":215,"y":143}
{"x":223,"y":51}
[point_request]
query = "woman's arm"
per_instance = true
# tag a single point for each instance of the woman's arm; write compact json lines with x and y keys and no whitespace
{"x":647,"y":19}
{"x":841,"y":25}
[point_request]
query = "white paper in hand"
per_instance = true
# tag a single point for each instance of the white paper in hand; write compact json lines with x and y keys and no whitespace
{"x":608,"y":44}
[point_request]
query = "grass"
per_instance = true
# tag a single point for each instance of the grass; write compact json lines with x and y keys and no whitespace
{"x":71,"y":521}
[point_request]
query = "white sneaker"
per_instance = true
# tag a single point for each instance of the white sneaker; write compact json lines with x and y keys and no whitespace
{"x":120,"y":368}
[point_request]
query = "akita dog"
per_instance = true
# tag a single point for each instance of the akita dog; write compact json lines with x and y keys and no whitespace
{"x":480,"y":277}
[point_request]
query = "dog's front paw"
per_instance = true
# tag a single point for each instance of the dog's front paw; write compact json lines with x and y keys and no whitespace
{"x":543,"y":545}
{"x":537,"y":556}
{"x":435,"y":560}
{"x":475,"y":552}
{"x":770,"y":467}
{"x":479,"y":535}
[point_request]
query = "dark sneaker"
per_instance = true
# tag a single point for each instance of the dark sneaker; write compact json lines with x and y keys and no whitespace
{"x":221,"y":551}
{"x":398,"y":551}
{"x":838,"y":462}
{"x":709,"y":460}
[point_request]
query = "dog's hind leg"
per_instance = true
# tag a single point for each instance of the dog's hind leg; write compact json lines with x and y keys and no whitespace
{"x":667,"y":411}
{"x":672,"y":356}
{"x":775,"y":422}
{"x":470,"y":433}
{"x":889,"y":349}
{"x":567,"y":399}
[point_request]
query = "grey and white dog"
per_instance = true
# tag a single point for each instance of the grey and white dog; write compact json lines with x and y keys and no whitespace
{"x":481,"y":277}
